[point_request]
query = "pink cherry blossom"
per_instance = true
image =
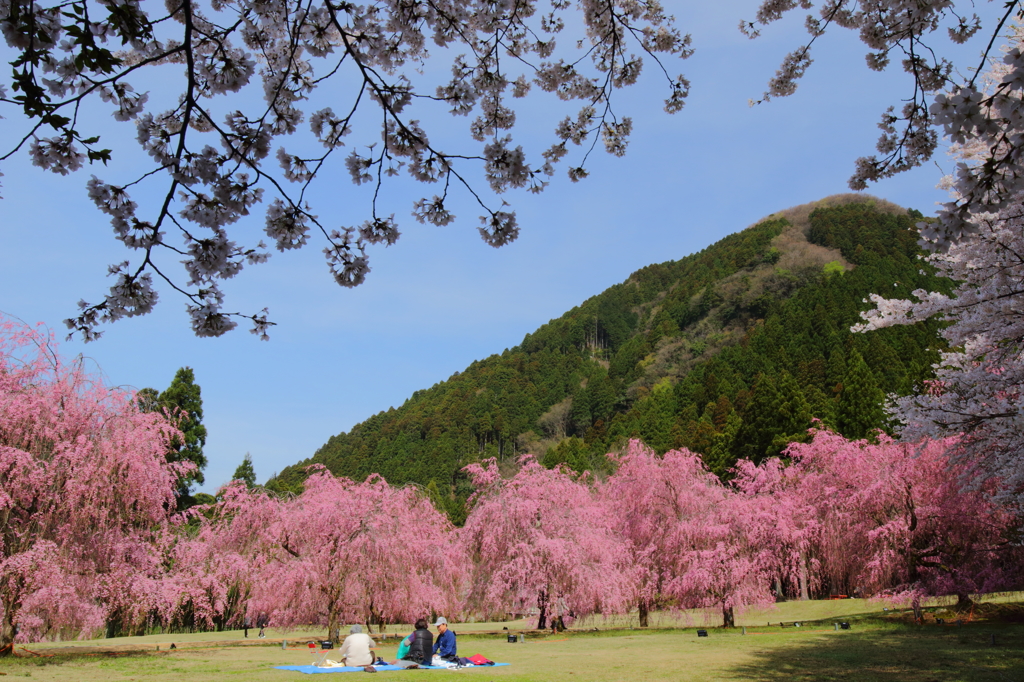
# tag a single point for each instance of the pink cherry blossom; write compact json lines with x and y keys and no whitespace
{"x":339,"y":552}
{"x":85,"y":494}
{"x":541,"y":542}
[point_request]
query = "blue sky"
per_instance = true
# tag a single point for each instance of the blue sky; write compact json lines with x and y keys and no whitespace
{"x":441,"y":298}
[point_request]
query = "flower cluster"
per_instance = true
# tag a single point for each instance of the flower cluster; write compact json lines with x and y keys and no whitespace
{"x":499,"y":229}
{"x":346,"y":258}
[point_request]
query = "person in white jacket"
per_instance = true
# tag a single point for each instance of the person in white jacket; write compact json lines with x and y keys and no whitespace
{"x":356,"y":649}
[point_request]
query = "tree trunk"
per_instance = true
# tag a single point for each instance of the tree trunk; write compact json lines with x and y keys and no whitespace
{"x":7,"y":630}
{"x":918,"y":614}
{"x":643,"y":613}
{"x":332,"y":624}
{"x":964,"y":602}
{"x":542,"y":604}
{"x":375,"y":619}
{"x":805,"y":592}
{"x":728,"y":616}
{"x":779,"y":596}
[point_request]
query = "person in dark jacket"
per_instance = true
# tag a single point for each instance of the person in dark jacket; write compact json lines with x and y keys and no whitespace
{"x":421,"y":643}
{"x":262,"y":621}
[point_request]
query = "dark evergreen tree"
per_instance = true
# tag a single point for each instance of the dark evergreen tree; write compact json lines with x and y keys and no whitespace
{"x":794,"y":415}
{"x":757,"y":431}
{"x":777,"y":415}
{"x":657,"y":416}
{"x":245,"y":472}
{"x":183,"y":403}
{"x":580,"y":417}
{"x":571,"y":451}
{"x":602,"y":396}
{"x":859,"y":411}
{"x":148,"y":400}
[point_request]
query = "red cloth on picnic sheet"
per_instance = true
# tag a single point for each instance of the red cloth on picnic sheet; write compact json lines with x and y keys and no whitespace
{"x":477,"y":659}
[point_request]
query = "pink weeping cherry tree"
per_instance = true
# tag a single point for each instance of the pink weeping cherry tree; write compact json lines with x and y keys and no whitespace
{"x":789,"y":528}
{"x":85,"y":494}
{"x":204,"y":587}
{"x":541,"y":538}
{"x":903,"y":519}
{"x":340,"y":552}
{"x":689,"y":538}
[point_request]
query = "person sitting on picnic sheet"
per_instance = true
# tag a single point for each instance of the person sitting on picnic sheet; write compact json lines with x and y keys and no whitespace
{"x":445,"y":644}
{"x":355,"y":650}
{"x":415,"y":650}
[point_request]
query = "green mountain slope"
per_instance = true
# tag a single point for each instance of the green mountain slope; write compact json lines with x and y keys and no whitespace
{"x":730,"y":352}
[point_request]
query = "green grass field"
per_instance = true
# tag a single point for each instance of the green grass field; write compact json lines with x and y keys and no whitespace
{"x":879,"y":646}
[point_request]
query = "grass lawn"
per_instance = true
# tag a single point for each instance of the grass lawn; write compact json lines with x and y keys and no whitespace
{"x":878,"y":646}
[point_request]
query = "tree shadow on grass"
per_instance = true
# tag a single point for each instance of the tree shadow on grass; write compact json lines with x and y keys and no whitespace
{"x":901,"y":654}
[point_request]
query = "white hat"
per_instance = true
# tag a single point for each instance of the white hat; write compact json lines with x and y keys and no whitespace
{"x":441,"y":621}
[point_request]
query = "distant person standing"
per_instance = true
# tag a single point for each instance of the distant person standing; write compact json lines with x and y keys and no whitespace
{"x":445,"y":644}
{"x":262,"y":621}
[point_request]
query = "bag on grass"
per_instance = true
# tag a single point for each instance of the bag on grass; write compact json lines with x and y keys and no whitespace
{"x":477,"y":659}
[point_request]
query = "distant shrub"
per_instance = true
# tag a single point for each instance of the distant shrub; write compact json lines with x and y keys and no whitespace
{"x":834,"y":268}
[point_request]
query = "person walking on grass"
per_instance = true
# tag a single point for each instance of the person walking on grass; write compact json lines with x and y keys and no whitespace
{"x":262,"y":621}
{"x":445,"y":644}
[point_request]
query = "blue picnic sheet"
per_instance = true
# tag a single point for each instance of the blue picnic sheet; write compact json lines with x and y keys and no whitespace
{"x":313,"y":670}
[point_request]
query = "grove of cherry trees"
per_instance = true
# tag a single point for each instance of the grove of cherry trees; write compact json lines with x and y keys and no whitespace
{"x":90,"y":540}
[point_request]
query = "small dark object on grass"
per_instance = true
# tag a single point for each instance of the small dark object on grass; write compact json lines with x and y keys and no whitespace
{"x":844,"y":626}
{"x":326,"y":644}
{"x":511,"y":638}
{"x":702,"y":633}
{"x":172,"y":646}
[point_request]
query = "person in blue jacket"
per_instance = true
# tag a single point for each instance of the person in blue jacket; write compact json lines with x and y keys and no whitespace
{"x":445,"y":644}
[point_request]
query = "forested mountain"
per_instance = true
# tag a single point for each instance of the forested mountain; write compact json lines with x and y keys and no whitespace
{"x":730,"y":352}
